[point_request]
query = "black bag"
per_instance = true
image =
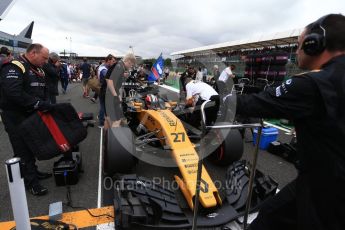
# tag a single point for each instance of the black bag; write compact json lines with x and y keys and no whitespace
{"x":50,"y":134}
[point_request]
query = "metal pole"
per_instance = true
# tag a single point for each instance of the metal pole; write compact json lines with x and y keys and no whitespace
{"x":199,"y":170}
{"x":197,"y":193}
{"x":251,"y":178}
{"x":255,"y":157}
{"x":17,"y":193}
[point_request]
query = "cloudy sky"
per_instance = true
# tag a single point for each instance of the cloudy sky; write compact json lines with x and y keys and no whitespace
{"x":96,"y":28}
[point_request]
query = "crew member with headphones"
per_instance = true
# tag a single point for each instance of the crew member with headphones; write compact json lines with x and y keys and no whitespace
{"x":315,"y":101}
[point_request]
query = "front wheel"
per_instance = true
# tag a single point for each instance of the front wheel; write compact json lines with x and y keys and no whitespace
{"x":119,"y":151}
{"x":230,"y":149}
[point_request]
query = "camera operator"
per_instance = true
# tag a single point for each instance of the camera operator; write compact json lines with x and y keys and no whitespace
{"x":23,"y":90}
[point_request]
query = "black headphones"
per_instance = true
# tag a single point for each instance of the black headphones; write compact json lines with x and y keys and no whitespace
{"x":315,"y":43}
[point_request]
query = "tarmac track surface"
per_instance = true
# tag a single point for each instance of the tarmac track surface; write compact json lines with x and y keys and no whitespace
{"x":85,"y":193}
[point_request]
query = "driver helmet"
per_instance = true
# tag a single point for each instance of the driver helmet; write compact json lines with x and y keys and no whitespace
{"x":151,"y":101}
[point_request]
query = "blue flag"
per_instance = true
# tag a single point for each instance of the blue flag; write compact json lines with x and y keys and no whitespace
{"x":157,"y":69}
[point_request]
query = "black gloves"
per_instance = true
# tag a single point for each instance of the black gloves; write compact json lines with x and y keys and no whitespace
{"x":43,"y":106}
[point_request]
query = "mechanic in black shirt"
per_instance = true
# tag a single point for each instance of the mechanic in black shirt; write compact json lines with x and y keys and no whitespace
{"x":315,"y":101}
{"x":114,"y":93}
{"x":23,"y":90}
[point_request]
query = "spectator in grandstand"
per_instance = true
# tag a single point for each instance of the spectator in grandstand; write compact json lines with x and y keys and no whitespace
{"x":51,"y":69}
{"x":85,"y":69}
{"x":315,"y":101}
{"x":196,"y":93}
{"x":114,"y":83}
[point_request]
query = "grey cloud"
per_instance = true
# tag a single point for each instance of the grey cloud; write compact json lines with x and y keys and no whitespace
{"x":154,"y":26}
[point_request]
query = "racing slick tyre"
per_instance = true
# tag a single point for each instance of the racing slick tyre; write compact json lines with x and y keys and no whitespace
{"x":118,"y":151}
{"x":231,"y":148}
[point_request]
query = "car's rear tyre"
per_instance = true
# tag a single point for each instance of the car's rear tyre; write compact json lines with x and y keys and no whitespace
{"x":118,"y":151}
{"x":230,"y":149}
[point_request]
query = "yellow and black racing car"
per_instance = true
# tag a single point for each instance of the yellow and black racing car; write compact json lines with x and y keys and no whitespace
{"x":156,"y":131}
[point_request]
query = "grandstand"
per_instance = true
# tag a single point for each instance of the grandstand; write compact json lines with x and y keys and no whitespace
{"x":17,"y":43}
{"x":235,"y":52}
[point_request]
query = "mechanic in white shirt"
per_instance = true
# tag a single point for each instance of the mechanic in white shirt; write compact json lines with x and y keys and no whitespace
{"x":223,"y":83}
{"x":226,"y":74}
{"x":198,"y":92}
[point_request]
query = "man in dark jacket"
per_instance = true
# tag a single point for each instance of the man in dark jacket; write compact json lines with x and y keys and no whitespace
{"x":23,"y":90}
{"x":64,"y":76}
{"x":52,"y":76}
{"x":103,"y":70}
{"x":315,"y":102}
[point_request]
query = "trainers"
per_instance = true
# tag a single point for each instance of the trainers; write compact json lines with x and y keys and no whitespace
{"x":38,"y":190}
{"x":101,"y":126}
{"x":93,"y":100}
{"x":43,"y":175}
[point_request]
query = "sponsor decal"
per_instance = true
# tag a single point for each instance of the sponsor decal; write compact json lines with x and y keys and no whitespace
{"x":191,"y":165}
{"x":37,"y":84}
{"x":168,"y":119}
{"x":12,"y":76}
{"x":187,"y":154}
{"x":151,"y":120}
{"x":278,"y":92}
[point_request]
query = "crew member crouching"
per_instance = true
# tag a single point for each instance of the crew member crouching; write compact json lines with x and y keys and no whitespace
{"x":196,"y":93}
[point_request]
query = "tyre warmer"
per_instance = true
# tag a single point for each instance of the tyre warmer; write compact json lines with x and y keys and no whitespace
{"x":50,"y":134}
